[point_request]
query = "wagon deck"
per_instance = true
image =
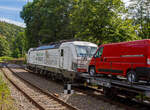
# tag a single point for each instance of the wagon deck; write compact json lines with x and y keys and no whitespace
{"x":140,"y":87}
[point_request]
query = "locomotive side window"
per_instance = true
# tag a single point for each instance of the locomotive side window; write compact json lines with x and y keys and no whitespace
{"x":62,"y":53}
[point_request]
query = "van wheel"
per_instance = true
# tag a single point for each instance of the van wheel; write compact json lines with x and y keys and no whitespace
{"x":92,"y":71}
{"x":132,"y":76}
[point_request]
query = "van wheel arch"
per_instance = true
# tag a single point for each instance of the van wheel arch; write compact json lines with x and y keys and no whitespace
{"x":129,"y":69}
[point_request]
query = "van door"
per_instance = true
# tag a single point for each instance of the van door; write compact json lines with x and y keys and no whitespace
{"x":101,"y":65}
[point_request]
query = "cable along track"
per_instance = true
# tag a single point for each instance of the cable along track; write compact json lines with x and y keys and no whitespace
{"x":40,"y":98}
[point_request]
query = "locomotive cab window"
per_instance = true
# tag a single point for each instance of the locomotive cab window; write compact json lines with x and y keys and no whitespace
{"x":62,"y":53}
{"x":99,"y":52}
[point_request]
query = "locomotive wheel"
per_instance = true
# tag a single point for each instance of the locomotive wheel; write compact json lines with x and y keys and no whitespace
{"x":132,"y":76}
{"x":92,"y":71}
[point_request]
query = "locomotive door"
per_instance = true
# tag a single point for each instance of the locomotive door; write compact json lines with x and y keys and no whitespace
{"x":64,"y":57}
{"x":61,"y":58}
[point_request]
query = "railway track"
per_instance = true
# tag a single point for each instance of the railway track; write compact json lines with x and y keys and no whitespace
{"x":40,"y":98}
{"x":91,"y":92}
{"x":120,"y":102}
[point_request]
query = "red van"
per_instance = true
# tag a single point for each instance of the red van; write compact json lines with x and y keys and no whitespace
{"x":128,"y":59}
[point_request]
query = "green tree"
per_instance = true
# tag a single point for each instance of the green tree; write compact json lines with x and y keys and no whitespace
{"x":97,"y":21}
{"x":47,"y":21}
{"x":101,"y":20}
{"x":4,"y":46}
{"x":10,"y":32}
{"x":139,"y":10}
{"x":20,"y":45}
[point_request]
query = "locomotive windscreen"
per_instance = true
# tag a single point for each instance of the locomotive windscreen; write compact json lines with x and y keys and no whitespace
{"x":87,"y":51}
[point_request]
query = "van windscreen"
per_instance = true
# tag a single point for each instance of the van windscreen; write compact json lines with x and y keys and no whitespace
{"x":87,"y":51}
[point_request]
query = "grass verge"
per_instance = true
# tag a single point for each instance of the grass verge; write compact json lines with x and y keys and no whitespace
{"x":13,"y":60}
{"x":5,"y":58}
{"x":6,"y":101}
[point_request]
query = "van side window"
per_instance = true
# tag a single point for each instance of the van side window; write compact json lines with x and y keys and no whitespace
{"x":62,"y":53}
{"x":99,"y":52}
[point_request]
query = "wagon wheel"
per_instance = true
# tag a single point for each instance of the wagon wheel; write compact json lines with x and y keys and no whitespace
{"x":132,"y":76}
{"x":92,"y":71}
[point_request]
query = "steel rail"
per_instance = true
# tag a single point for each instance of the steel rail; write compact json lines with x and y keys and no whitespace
{"x":102,"y":97}
{"x":26,"y":95}
{"x":70,"y":107}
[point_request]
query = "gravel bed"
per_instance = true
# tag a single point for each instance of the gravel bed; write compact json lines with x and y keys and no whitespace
{"x":47,"y":102}
{"x":20,"y":101}
{"x":79,"y":100}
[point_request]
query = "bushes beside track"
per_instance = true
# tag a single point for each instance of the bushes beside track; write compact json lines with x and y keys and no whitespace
{"x":5,"y":58}
{"x":12,"y":60}
{"x":6,"y":102}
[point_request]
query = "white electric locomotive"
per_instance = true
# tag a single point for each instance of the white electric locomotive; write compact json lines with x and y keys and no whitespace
{"x":63,"y":60}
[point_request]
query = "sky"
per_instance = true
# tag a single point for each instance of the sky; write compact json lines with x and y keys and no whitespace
{"x":10,"y":11}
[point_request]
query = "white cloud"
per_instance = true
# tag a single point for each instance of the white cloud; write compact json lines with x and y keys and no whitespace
{"x":25,"y":0}
{"x":19,"y":0}
{"x":10,"y":8}
{"x":13,"y":22}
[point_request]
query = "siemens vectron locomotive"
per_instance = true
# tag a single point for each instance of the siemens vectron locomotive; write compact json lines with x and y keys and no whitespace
{"x":61,"y":60}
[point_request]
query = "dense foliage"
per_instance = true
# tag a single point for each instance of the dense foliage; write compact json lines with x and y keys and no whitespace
{"x":10,"y":41}
{"x":4,"y":46}
{"x":10,"y":31}
{"x":47,"y":21}
{"x":97,"y":21}
{"x":19,"y":45}
{"x":140,"y":12}
{"x":101,"y":20}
